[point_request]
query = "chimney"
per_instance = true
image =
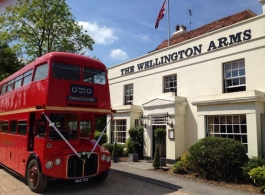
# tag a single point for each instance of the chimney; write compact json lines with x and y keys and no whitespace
{"x":180,"y":30}
{"x":262,"y":2}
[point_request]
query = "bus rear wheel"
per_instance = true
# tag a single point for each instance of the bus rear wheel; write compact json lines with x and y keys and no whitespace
{"x":37,"y":181}
{"x":101,"y":177}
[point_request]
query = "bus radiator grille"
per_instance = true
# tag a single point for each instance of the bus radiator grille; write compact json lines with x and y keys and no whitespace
{"x":76,"y":167}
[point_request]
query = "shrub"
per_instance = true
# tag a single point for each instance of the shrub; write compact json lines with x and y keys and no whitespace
{"x":184,"y":158}
{"x":258,"y":177}
{"x":120,"y":148}
{"x":219,"y":159}
{"x":156,"y":161}
{"x":136,"y":137}
{"x":108,"y":146}
{"x":128,"y":146}
{"x":179,"y":167}
{"x":251,"y":164}
{"x":104,"y":137}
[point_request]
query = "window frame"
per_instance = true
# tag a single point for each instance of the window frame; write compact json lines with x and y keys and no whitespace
{"x":119,"y":131}
{"x":228,"y":126}
{"x":232,"y":73}
{"x":171,"y":85}
{"x":128,"y":94}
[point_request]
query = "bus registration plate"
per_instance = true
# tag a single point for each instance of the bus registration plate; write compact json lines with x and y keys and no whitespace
{"x":82,"y":180}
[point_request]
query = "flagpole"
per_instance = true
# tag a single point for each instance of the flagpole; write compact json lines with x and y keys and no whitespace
{"x":168,"y":24}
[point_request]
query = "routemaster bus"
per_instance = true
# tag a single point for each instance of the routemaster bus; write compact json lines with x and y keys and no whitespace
{"x":47,"y":120}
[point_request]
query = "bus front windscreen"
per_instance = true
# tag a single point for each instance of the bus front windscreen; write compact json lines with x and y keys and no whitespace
{"x":65,"y":123}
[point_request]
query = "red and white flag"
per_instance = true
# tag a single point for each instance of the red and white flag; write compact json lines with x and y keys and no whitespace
{"x":161,"y":14}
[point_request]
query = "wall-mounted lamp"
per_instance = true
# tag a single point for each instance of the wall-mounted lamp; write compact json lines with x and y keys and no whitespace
{"x":142,"y":121}
{"x":169,"y":121}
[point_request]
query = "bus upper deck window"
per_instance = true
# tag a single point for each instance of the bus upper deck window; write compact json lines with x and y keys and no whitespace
{"x":10,"y":85}
{"x":17,"y":82}
{"x":3,"y":90}
{"x":27,"y":77}
{"x":94,"y":76}
{"x":65,"y":71}
{"x":41,"y":72}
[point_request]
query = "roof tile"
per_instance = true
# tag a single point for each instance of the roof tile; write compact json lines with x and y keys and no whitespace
{"x":227,"y":21}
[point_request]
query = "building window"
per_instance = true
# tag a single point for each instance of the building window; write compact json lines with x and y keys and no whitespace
{"x":118,"y":131}
{"x":234,"y":76}
{"x":128,"y":91}
{"x":232,"y":126}
{"x":170,"y":84}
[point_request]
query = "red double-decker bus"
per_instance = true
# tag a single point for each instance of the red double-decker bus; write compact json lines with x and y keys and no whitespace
{"x":47,"y":120}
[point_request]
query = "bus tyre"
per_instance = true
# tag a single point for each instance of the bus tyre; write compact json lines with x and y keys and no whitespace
{"x":36,"y":180}
{"x":101,"y":177}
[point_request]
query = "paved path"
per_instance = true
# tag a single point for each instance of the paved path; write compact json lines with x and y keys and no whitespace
{"x":141,"y":171}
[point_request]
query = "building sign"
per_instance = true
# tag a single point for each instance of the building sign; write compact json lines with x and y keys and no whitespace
{"x":191,"y":51}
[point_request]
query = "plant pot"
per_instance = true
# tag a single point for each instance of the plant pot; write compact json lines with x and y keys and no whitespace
{"x":115,"y":160}
{"x":133,"y":157}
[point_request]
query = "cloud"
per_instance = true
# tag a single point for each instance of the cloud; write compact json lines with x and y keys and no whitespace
{"x":100,"y":34}
{"x":118,"y":54}
{"x":143,"y":37}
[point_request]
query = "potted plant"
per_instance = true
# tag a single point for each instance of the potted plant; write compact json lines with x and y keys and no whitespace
{"x":115,"y":153}
{"x":160,"y":135}
{"x":134,"y":133}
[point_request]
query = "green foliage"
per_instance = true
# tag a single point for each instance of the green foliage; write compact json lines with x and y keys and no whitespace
{"x":179,"y":167}
{"x":9,"y":63}
{"x":160,"y":134}
{"x":251,"y":164}
{"x":100,"y":123}
{"x":104,"y":137}
{"x":108,"y":146}
{"x":258,"y":177}
{"x":128,"y":147}
{"x":38,"y":27}
{"x":156,"y":161}
{"x":115,"y":151}
{"x":120,"y":149}
{"x":136,"y":137}
{"x":219,"y":159}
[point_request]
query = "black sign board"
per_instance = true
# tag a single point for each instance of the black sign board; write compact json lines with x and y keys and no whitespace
{"x":79,"y":90}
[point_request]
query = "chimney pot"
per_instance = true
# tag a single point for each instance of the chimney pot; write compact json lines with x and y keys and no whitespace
{"x":262,"y":2}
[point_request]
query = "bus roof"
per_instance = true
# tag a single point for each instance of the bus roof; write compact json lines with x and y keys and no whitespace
{"x":70,"y":58}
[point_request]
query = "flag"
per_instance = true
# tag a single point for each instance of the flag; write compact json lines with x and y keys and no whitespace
{"x":161,"y":14}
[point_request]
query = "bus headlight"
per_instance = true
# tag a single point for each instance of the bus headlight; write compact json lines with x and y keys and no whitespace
{"x":103,"y":157}
{"x":57,"y":161}
{"x":49,"y":164}
{"x":108,"y":159}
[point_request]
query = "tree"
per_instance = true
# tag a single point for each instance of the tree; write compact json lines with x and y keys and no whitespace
{"x":9,"y":63}
{"x":36,"y":27}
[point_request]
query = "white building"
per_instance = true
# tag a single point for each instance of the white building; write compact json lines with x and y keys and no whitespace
{"x":209,"y":82}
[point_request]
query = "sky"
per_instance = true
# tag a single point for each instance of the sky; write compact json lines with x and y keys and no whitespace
{"x":125,"y":30}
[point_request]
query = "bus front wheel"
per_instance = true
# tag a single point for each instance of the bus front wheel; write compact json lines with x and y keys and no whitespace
{"x":37,"y":181}
{"x":101,"y":177}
